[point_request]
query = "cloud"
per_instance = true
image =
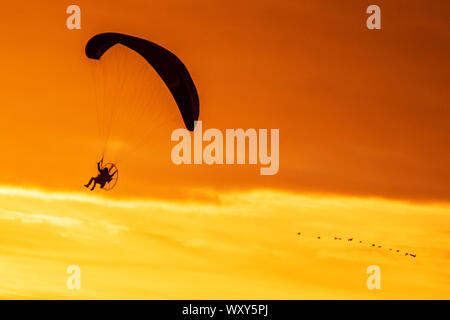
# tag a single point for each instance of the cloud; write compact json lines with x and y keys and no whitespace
{"x":153,"y":248}
{"x":38,"y":218}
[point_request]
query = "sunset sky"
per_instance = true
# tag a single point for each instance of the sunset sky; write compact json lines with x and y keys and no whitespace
{"x":364,"y":120}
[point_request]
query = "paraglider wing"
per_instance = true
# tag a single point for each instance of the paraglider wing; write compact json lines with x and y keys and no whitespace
{"x":171,"y":70}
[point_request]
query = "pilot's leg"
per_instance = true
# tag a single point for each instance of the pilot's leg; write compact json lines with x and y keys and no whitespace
{"x":89,"y":183}
{"x":93,"y":186}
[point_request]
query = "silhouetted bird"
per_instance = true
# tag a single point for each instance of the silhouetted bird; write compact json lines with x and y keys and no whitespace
{"x":299,"y":233}
{"x":390,"y":249}
{"x":360,"y":241}
{"x":373,"y":245}
{"x":398,"y":250}
{"x":412,"y":255}
{"x":379,"y":246}
{"x":318,"y":237}
{"x":350,"y":239}
{"x":406,"y":253}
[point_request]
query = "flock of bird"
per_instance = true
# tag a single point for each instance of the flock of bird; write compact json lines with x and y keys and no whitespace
{"x":372,"y":244}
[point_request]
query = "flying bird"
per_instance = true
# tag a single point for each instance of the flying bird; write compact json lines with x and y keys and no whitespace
{"x":373,"y":244}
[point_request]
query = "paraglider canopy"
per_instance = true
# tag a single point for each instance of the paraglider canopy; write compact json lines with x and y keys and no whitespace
{"x":171,"y":70}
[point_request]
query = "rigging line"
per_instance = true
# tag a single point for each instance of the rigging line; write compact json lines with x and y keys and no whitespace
{"x":143,"y":141}
{"x":94,"y":93}
{"x":147,"y":101}
{"x":134,"y":95}
{"x":104,"y":73}
{"x":158,"y":115}
{"x":118,"y":90}
{"x":123,"y":75}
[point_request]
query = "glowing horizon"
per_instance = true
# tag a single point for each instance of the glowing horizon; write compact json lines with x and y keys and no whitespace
{"x":218,"y":249}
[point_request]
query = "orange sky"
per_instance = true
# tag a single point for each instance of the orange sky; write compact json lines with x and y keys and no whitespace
{"x":363,"y":116}
{"x":359,"y":112}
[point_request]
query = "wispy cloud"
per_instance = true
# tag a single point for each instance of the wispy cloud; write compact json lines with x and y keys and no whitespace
{"x":38,"y":218}
{"x":245,"y":243}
